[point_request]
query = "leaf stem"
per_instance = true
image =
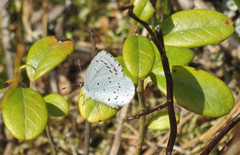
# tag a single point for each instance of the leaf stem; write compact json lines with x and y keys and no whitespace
{"x":142,"y":120}
{"x":148,"y":112}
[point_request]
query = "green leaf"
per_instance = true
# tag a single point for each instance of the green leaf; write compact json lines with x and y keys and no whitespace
{"x":175,"y":55}
{"x":143,"y":9}
{"x":160,"y":121}
{"x":159,"y":80}
{"x":24,"y":113}
{"x":194,"y":28}
{"x":138,"y":55}
{"x":94,"y":111}
{"x":126,"y":72}
{"x":46,"y":54}
{"x":200,"y":92}
{"x":56,"y":105}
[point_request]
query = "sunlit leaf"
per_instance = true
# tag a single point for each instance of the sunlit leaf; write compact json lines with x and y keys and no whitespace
{"x":24,"y":113}
{"x":138,"y":55}
{"x":46,"y":54}
{"x":198,"y":91}
{"x":160,"y":121}
{"x":94,"y":111}
{"x":194,"y":28}
{"x":56,"y":105}
{"x":143,"y":9}
{"x":201,"y":92}
{"x":126,"y":72}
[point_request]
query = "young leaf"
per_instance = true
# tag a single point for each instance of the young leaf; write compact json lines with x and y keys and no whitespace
{"x":138,"y":56}
{"x":200,"y":92}
{"x":24,"y":113}
{"x":46,"y":54}
{"x":143,"y":9}
{"x":56,"y":105}
{"x":194,"y":28}
{"x":94,"y":111}
{"x":160,"y":121}
{"x":126,"y":72}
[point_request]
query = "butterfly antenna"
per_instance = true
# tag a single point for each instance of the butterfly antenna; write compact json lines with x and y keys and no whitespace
{"x":76,"y":84}
{"x":80,"y":69}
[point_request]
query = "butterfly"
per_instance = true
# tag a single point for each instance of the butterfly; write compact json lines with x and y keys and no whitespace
{"x":105,"y":82}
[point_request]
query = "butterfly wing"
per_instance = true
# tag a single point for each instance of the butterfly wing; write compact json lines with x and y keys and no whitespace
{"x":105,"y":81}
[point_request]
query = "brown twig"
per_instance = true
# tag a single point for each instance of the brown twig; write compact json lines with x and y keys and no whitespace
{"x":158,"y":40}
{"x":147,"y":112}
{"x":117,"y":138}
{"x":206,"y":136}
{"x":221,"y":134}
{"x":87,"y":137}
{"x":45,"y":17}
{"x":87,"y":124}
{"x":51,"y":140}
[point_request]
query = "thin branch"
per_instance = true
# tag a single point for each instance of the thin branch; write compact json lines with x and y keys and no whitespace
{"x":158,"y":40}
{"x":45,"y":17}
{"x":148,"y":112}
{"x":51,"y":140}
{"x":220,"y":135}
{"x":87,"y":137}
{"x":87,"y":124}
{"x":117,"y":138}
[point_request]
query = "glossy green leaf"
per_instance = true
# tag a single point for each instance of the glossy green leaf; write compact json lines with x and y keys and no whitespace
{"x":175,"y":55}
{"x":138,"y":55}
{"x":25,"y":113}
{"x":194,"y":28}
{"x":143,"y":9}
{"x":126,"y":72}
{"x":94,"y":111}
{"x":161,"y":121}
{"x":46,"y":54}
{"x":56,"y":105}
{"x":200,"y":92}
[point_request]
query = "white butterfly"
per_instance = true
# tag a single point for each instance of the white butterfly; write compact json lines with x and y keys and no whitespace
{"x":105,"y":82}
